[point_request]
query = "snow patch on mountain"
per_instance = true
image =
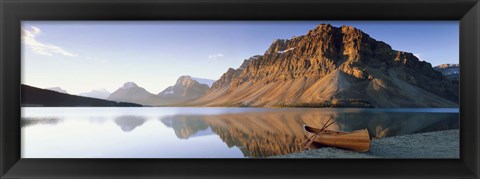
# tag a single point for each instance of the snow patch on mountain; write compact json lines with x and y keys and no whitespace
{"x":283,"y":51}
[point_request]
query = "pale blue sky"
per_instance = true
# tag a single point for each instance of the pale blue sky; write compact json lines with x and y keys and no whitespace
{"x":83,"y":55}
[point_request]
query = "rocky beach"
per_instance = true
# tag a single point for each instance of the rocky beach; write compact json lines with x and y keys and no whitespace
{"x":429,"y":145}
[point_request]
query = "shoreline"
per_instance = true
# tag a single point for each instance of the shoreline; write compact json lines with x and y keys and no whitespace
{"x":429,"y":145}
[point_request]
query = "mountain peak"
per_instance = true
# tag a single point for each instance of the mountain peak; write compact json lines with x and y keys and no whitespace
{"x":348,"y":28}
{"x":57,"y":89}
{"x":324,"y":26}
{"x":322,"y":29}
{"x":184,"y":80}
{"x":131,"y":92}
{"x":184,"y":76}
{"x":186,"y":88}
{"x":129,"y":85}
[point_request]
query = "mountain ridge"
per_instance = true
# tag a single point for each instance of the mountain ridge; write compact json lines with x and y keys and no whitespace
{"x":286,"y":72}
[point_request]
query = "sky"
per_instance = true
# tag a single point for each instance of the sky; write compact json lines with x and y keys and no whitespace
{"x":80,"y":56}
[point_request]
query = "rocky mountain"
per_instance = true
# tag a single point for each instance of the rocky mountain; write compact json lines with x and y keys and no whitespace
{"x":57,"y":89}
{"x":131,"y":92}
{"x":451,"y":71}
{"x":185,"y":89}
{"x":332,"y":66}
{"x":100,"y":94}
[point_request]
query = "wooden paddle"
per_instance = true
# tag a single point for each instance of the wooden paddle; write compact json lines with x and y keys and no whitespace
{"x":323,"y":127}
{"x":312,"y":138}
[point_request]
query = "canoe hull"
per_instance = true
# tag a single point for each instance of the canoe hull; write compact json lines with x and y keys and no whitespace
{"x":357,"y":140}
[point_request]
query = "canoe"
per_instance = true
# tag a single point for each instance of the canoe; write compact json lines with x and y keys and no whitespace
{"x":357,"y":140}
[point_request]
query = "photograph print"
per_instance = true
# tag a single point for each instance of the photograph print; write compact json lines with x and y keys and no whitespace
{"x":240,"y":89}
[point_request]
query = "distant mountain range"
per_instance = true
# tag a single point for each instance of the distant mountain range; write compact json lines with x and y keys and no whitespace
{"x":57,"y":89}
{"x":327,"y":67}
{"x":451,"y":71}
{"x":186,"y":89}
{"x":37,"y":97}
{"x":100,"y":94}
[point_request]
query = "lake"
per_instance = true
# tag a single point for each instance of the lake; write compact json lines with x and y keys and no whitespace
{"x":195,"y":132}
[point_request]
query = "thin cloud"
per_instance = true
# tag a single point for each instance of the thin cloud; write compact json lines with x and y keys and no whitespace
{"x":29,"y":39}
{"x":215,"y":56}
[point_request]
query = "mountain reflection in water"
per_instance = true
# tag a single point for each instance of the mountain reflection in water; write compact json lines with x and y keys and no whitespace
{"x":25,"y":122}
{"x":263,"y":134}
{"x":191,"y":132}
{"x":128,"y":123}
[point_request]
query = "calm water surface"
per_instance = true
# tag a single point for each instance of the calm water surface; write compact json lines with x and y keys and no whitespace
{"x":172,"y":132}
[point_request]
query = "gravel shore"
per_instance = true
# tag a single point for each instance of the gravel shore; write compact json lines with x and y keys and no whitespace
{"x":439,"y":144}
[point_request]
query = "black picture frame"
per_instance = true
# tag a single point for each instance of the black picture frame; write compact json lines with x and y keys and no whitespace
{"x":12,"y":12}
